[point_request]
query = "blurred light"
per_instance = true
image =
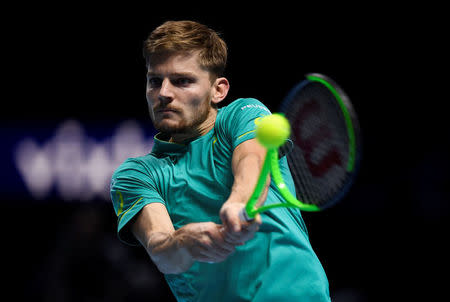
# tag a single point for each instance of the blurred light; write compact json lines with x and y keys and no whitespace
{"x":77,"y":166}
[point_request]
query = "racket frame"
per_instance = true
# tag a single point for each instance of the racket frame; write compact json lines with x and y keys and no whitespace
{"x":272,"y":167}
{"x":345,"y":106}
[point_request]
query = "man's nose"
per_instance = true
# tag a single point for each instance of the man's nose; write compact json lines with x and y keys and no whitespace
{"x":166,"y":91}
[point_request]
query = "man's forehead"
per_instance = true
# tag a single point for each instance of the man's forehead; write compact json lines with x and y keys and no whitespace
{"x":188,"y":74}
{"x":174,"y":61}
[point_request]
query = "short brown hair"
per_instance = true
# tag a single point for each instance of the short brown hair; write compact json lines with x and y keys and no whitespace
{"x":186,"y":36}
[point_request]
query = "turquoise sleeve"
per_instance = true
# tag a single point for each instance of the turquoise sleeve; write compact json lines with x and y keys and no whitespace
{"x":238,"y":122}
{"x":131,"y":189}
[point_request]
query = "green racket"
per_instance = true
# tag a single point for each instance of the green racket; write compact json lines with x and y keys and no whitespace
{"x":323,"y":159}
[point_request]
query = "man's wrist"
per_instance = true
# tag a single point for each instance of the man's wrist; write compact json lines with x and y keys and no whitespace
{"x":238,"y":195}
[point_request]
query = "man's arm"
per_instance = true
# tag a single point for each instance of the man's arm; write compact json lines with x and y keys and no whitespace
{"x":174,"y":252}
{"x":247,"y":162}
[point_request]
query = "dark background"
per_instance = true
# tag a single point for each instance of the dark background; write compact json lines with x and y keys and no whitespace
{"x":385,"y":241}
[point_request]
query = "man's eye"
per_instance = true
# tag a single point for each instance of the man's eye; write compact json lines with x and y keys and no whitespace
{"x":183,"y":81}
{"x":154,"y":82}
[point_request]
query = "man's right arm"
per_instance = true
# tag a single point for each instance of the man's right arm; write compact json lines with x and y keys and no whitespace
{"x":154,"y":230}
{"x":174,"y":251}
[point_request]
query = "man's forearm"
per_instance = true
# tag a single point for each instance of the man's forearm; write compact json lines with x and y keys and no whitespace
{"x":246,"y":174}
{"x":168,"y":253}
{"x":154,"y":230}
{"x":175,"y":252}
{"x":247,"y":162}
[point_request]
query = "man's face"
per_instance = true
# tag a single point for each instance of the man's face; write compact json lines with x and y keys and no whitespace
{"x":178,"y":93}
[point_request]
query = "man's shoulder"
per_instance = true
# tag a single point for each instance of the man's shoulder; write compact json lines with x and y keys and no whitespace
{"x":137,"y":164}
{"x":244,"y":103}
{"x":240,"y":108}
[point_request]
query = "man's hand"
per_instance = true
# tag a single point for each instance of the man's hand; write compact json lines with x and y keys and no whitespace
{"x":174,"y":251}
{"x":235,"y":231}
{"x":205,"y":242}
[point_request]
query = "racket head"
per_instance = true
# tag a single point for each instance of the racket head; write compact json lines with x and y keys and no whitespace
{"x":326,"y":151}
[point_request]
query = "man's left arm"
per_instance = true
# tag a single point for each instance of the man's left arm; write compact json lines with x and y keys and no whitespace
{"x":247,"y":161}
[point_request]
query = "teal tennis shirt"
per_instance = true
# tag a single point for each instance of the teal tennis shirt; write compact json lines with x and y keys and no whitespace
{"x":193,"y":181}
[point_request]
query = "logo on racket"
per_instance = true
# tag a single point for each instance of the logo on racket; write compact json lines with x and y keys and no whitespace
{"x":309,"y":139}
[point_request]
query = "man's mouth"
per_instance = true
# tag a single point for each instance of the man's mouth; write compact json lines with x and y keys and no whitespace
{"x":166,"y":110}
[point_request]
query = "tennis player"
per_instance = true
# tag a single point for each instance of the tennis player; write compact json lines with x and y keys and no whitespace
{"x":181,"y":201}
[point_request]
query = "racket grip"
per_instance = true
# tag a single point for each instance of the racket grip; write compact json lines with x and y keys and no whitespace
{"x":243,"y":216}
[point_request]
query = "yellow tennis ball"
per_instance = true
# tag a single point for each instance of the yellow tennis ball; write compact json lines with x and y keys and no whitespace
{"x":273,"y":130}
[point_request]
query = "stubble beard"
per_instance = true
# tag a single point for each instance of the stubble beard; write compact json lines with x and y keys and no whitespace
{"x":185,"y":126}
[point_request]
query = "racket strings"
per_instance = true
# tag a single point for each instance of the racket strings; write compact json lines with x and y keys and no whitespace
{"x":308,"y":189}
{"x":303,"y":182}
{"x":319,"y":157}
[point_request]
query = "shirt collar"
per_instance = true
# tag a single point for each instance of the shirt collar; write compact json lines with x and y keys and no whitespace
{"x":162,"y":146}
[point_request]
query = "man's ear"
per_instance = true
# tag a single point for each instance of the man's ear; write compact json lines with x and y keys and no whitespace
{"x":221,"y":87}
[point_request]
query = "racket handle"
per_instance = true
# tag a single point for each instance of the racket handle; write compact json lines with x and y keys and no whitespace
{"x":243,"y":216}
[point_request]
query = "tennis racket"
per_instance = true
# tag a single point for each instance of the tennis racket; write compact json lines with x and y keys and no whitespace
{"x":323,"y":151}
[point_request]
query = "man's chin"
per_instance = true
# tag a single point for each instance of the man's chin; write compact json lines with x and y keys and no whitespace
{"x":169,"y":128}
